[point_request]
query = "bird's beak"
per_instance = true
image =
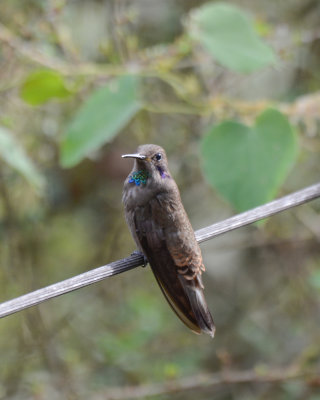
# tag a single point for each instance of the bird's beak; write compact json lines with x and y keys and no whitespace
{"x":137,"y":155}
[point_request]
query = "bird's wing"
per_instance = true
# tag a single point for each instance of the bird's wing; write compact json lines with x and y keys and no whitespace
{"x":187,"y":258}
{"x":177,"y":276}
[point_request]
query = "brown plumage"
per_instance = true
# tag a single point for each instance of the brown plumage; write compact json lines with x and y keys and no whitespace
{"x":162,"y":231}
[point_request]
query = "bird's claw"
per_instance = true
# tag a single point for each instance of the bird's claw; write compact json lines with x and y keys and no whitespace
{"x":139,"y":253}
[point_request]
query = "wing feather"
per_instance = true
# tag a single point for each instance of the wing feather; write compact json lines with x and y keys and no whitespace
{"x":177,"y":272}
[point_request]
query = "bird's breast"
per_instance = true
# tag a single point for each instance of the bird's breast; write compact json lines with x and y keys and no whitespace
{"x":139,"y":196}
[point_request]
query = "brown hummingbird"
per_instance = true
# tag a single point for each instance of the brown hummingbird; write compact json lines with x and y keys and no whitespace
{"x":162,"y":231}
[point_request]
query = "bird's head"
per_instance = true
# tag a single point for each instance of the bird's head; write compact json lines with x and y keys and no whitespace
{"x":151,"y":161}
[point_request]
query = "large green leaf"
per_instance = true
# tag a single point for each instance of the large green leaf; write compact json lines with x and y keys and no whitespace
{"x":14,"y":155}
{"x":42,"y":86}
{"x":100,"y":118}
{"x":248,"y":164}
{"x":228,"y":35}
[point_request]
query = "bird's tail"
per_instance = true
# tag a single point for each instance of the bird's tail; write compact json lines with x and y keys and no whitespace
{"x":194,"y":291}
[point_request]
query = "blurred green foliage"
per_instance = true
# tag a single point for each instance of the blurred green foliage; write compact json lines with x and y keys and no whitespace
{"x":104,"y":114}
{"x":247,"y":165}
{"x":42,"y":86}
{"x":83,"y":82}
{"x":14,"y":155}
{"x":228,"y":35}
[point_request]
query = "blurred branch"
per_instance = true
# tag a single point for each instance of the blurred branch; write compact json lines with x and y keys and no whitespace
{"x":32,"y":53}
{"x":135,"y":260}
{"x":161,"y":66}
{"x":266,"y":375}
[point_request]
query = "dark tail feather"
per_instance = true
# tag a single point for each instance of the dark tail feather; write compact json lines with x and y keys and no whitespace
{"x":194,"y":291}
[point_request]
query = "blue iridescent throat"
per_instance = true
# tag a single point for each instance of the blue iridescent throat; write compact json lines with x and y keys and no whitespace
{"x":139,"y":177}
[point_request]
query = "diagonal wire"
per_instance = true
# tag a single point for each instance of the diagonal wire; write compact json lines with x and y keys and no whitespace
{"x":135,"y":260}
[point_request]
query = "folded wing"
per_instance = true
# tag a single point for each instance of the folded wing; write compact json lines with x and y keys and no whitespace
{"x":176,"y":269}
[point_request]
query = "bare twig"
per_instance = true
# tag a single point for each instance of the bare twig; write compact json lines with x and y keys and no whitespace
{"x":135,"y":260}
{"x":270,"y":375}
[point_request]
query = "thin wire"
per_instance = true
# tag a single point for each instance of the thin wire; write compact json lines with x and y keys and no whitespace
{"x":258,"y":213}
{"x":135,"y":260}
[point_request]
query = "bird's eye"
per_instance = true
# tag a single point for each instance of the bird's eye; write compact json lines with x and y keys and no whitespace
{"x":158,"y":156}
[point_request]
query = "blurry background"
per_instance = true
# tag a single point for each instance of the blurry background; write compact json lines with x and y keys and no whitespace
{"x":61,"y":212}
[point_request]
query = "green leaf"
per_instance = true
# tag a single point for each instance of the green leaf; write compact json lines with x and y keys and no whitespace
{"x":314,"y":279}
{"x":246,"y":164}
{"x":227,"y":33}
{"x":14,"y":155}
{"x":42,"y":86}
{"x":100,"y":118}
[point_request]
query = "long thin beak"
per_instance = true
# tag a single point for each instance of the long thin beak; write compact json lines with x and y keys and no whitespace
{"x":137,"y":155}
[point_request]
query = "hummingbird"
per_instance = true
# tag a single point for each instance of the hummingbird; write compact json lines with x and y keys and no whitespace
{"x":163,"y":233}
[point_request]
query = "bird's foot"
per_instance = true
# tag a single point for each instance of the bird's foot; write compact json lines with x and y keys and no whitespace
{"x":139,"y":253}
